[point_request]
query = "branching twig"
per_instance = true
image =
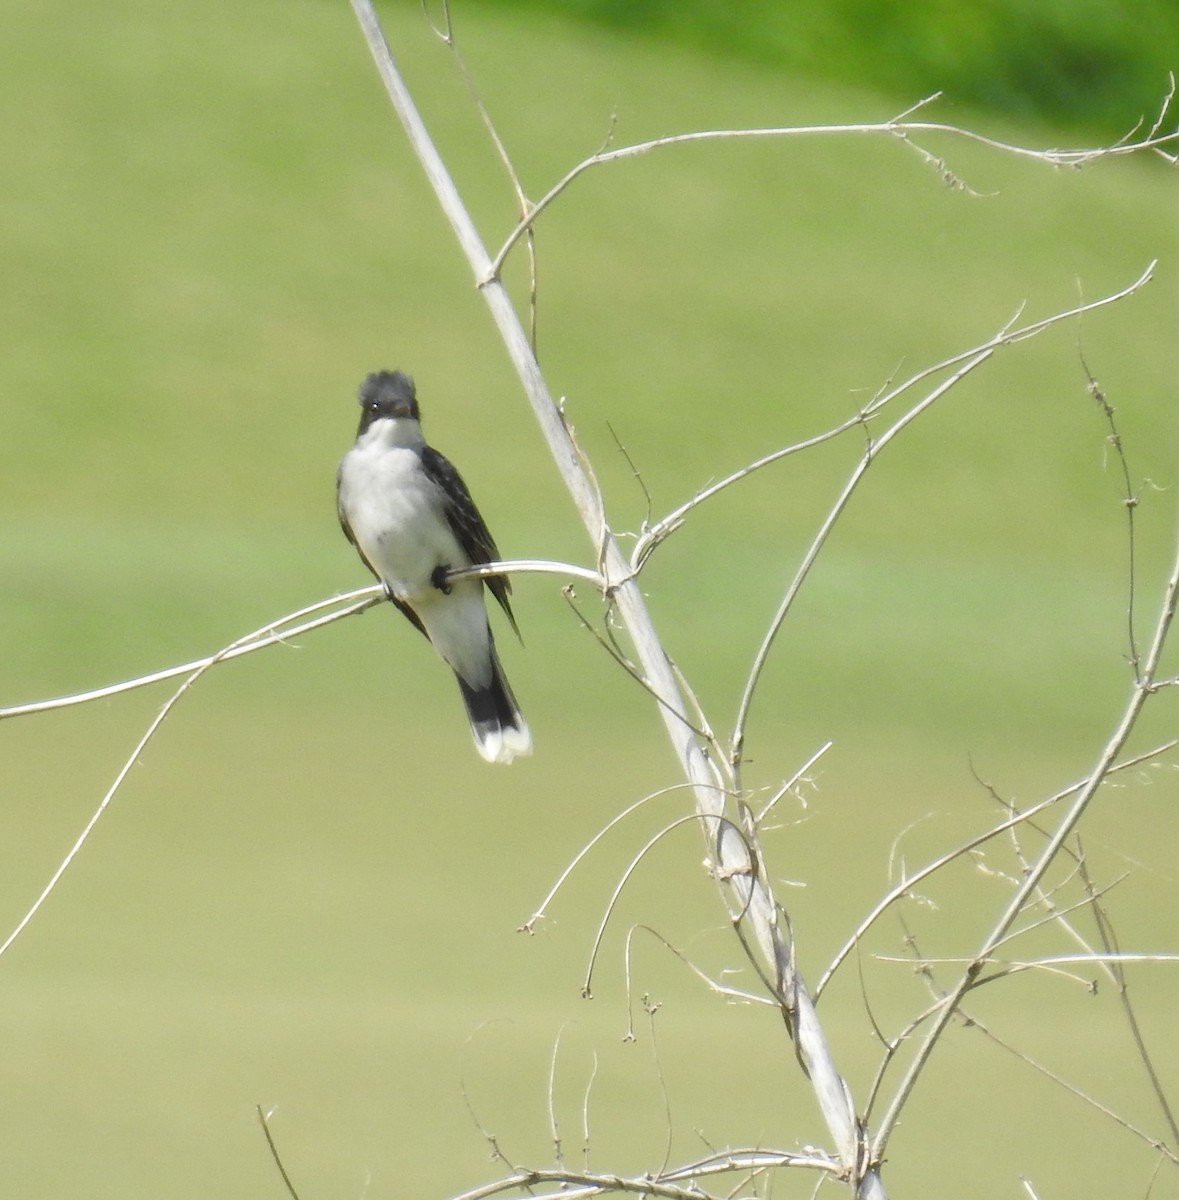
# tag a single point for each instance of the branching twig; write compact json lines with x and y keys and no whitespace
{"x":720,"y":989}
{"x":262,"y":636}
{"x":284,"y":629}
{"x":651,"y":843}
{"x":677,"y":1184}
{"x":652,"y":537}
{"x":898,"y":127}
{"x":970,"y":360}
{"x":1143,"y":688}
{"x":907,"y":884}
{"x":542,"y":908}
{"x":277,"y":632}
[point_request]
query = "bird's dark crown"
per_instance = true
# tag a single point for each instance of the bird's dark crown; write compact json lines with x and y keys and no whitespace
{"x":387,"y":394}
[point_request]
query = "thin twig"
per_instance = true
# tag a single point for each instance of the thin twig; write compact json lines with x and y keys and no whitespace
{"x":677,"y":1184}
{"x":729,"y":993}
{"x":124,"y":771}
{"x":447,"y":35}
{"x":1142,"y":689}
{"x":897,"y":127}
{"x":274,"y":634}
{"x":542,"y":908}
{"x":969,"y":360}
{"x":264,"y":1120}
{"x":661,"y":529}
{"x":632,"y":866}
{"x":1110,"y":941}
{"x":907,"y":884}
{"x":1075,"y":1091}
{"x":281,"y":631}
{"x":1129,"y":500}
{"x":554,"y":1124}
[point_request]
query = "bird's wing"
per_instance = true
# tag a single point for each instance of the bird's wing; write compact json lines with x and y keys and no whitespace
{"x":468,"y":525}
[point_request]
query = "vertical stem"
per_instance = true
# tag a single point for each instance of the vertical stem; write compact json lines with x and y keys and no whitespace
{"x":733,"y":865}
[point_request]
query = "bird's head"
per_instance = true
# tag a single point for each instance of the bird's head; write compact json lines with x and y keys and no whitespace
{"x":387,"y":395}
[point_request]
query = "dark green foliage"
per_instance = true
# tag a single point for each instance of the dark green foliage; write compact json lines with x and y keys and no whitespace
{"x":1083,"y":62}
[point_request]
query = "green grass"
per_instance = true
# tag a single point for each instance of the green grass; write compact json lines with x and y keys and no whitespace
{"x":307,"y":893}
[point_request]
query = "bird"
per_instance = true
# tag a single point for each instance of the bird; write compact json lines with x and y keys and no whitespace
{"x":411,"y":518}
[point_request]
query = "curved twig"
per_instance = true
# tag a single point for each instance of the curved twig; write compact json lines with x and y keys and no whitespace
{"x":969,"y":361}
{"x":906,"y":885}
{"x":270,"y":635}
{"x":898,"y":127}
{"x":1142,"y":689}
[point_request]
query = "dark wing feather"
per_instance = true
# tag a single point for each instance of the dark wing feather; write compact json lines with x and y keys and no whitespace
{"x":467,"y":523}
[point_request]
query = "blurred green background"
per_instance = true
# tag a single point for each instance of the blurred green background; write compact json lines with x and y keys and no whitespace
{"x":307,"y":893}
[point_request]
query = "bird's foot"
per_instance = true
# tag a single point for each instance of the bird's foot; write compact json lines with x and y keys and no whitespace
{"x":438,"y":578}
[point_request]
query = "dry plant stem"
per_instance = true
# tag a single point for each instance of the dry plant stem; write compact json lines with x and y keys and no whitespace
{"x":281,"y":631}
{"x":874,"y":448}
{"x":968,"y":362}
{"x":277,"y":632}
{"x":732,"y":864}
{"x":652,"y":537}
{"x":264,"y":1120}
{"x":679,"y":1184}
{"x":624,"y":878}
{"x":907,"y":884}
{"x":971,"y":1021}
{"x":1093,"y":1102}
{"x":274,"y":634}
{"x":104,"y":804}
{"x":542,"y":908}
{"x":1110,"y":942}
{"x":719,"y":989}
{"x":898,"y":127}
{"x":1143,"y":687}
{"x":447,"y":35}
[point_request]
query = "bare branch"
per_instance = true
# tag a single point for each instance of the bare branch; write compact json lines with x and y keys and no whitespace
{"x":1075,"y":1091}
{"x":542,"y":908}
{"x":906,"y":885}
{"x":124,"y":771}
{"x":269,"y":635}
{"x":284,"y":629}
{"x":898,"y":128}
{"x":969,"y":360}
{"x":529,"y":566}
{"x":586,"y":987}
{"x":720,"y":989}
{"x":264,"y":1120}
{"x":677,"y":1184}
{"x":1110,"y":941}
{"x":1142,"y":689}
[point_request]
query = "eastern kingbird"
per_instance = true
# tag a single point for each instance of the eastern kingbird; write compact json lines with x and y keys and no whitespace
{"x":412,"y":520}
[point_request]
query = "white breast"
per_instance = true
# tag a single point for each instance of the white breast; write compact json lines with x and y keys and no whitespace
{"x":396,"y":512}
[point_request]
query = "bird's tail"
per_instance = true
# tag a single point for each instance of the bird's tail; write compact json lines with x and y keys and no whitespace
{"x":497,"y":726}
